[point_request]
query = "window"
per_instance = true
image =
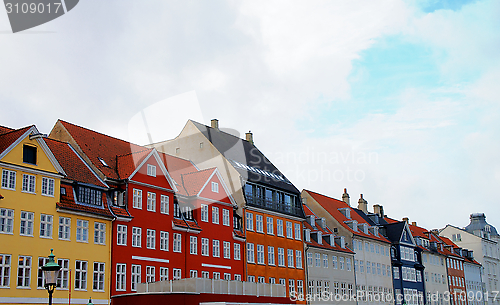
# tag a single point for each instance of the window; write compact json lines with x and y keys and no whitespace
{"x":259,"y":223}
{"x":29,"y":154}
{"x":269,"y":223}
{"x":215,"y":248}
{"x":334,"y":262}
{"x":121,"y":273}
{"x":8,"y":179}
{"x":121,"y":235}
{"x":151,"y":206}
{"x":6,"y":221}
{"x":26,"y":227}
{"x":164,"y":273}
{"x":227,"y":250}
{"x":395,"y":274}
{"x":297,"y":231}
{"x":249,"y":221}
{"x":204,"y":246}
{"x":317,"y":260}
{"x":24,"y":271}
{"x":298,"y":258}
{"x":215,"y":215}
{"x":348,"y":265}
{"x":279,"y":227}
{"x":204,"y":212}
{"x":99,"y":233}
{"x":135,"y":277}
{"x":91,"y":196}
{"x":80,"y":275}
{"x":136,"y":237}
{"x":47,"y":186}
{"x":82,"y":230}
{"x":325,"y":260}
{"x":289,"y":231}
{"x":227,"y":276}
{"x":46,"y":226}
{"x":270,"y":255}
{"x":64,"y":228}
{"x":300,"y":287}
{"x":29,"y":183}
{"x":237,"y":277}
{"x":237,"y":253}
{"x":215,"y":187}
{"x":309,"y":259}
{"x":291,"y":285}
{"x":260,"y":254}
{"x":251,"y":278}
{"x":281,"y":257}
{"x":150,"y":239}
{"x":41,"y":276}
{"x":216,"y":276}
{"x":341,"y":263}
{"x":225,"y":217}
{"x":361,"y":266}
{"x":151,"y":171}
{"x":63,"y":278}
{"x":177,"y":243}
{"x":98,"y":283}
{"x":164,"y":204}
{"x":176,"y":274}
{"x":163,"y":241}
{"x":137,"y":199}
{"x":250,"y":253}
{"x":150,"y":274}
{"x":290,"y":258}
{"x":5,"y":270}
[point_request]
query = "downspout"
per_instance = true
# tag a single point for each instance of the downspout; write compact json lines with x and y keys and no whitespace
{"x":306,"y":284}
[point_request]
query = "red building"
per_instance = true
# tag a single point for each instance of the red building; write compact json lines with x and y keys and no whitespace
{"x":456,"y":275}
{"x":172,"y":221}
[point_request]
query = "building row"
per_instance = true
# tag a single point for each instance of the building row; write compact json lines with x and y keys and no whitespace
{"x":209,"y":205}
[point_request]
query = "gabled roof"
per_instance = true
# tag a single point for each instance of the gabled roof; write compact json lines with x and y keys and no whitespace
{"x":325,"y":231}
{"x":127,"y":163}
{"x":9,"y":137}
{"x":395,"y":231}
{"x":195,"y":181}
{"x":448,"y":242}
{"x":76,"y":169}
{"x":68,"y":203}
{"x":98,"y":146}
{"x":332,"y":206}
{"x":247,"y":159}
{"x":4,"y":129}
{"x":177,"y":166}
{"x":417,"y":231}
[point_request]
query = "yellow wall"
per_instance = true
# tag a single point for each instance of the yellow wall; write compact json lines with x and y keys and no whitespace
{"x":35,"y":246}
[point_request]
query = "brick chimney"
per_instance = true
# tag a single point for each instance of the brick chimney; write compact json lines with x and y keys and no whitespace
{"x":249,"y":137}
{"x":406,"y":219}
{"x":414,"y":223}
{"x":214,"y":123}
{"x":362,"y":204}
{"x":345,"y":198}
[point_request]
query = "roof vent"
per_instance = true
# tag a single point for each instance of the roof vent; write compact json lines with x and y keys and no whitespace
{"x":249,"y":137}
{"x":214,"y":123}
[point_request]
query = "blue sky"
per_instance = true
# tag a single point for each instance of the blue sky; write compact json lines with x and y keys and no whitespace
{"x":413,"y":83}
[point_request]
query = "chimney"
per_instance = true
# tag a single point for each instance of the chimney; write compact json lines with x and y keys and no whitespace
{"x":345,"y":198}
{"x":362,"y":204}
{"x":214,"y":123}
{"x":406,"y":219}
{"x":378,"y":209}
{"x":414,"y":223}
{"x":435,"y":231}
{"x":249,"y":137}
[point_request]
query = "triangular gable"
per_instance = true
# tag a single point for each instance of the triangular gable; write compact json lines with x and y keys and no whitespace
{"x":163,"y":169}
{"x":41,"y":143}
{"x":221,"y":182}
{"x":406,"y":236}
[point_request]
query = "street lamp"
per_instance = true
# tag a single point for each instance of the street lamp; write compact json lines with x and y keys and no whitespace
{"x":90,"y":302}
{"x":51,"y":272}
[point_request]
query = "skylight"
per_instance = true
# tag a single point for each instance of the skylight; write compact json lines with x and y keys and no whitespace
{"x":103,"y":162}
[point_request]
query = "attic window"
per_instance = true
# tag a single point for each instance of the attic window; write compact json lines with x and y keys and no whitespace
{"x":201,"y":145}
{"x":215,"y":187}
{"x":177,"y":151}
{"x":103,"y":162}
{"x":29,"y":154}
{"x":63,"y":191}
{"x":151,"y":170}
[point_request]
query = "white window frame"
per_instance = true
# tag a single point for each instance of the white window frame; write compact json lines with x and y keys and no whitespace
{"x":249,"y":221}
{"x":163,"y":274}
{"x":63,"y":278}
{"x":150,"y":239}
{"x":237,"y":251}
{"x":259,"y":223}
{"x":298,"y":259}
{"x":121,"y":277}
{"x":270,"y":256}
{"x":81,"y":275}
{"x":27,"y":223}
{"x":279,"y":227}
{"x":135,"y":276}
{"x":48,"y":186}
{"x":136,"y":237}
{"x":8,"y":179}
{"x":204,"y":213}
{"x":150,"y":274}
{"x":5,"y":268}
{"x":193,"y":245}
{"x":137,"y":199}
{"x":121,"y":235}
{"x":82,"y":230}
{"x":250,"y":253}
{"x":98,"y":278}
{"x":215,"y":187}
{"x":29,"y":184}
{"x":215,"y":248}
{"x":99,"y":233}
{"x":64,"y":231}
{"x":298,"y":229}
{"x":177,"y":274}
{"x":281,"y":257}
{"x":215,"y":215}
{"x":289,"y":230}
{"x":151,"y":170}
{"x":24,"y":264}
{"x":260,"y":255}
{"x":46,"y":224}
{"x":290,"y":258}
{"x":164,"y":204}
{"x":227,"y":249}
{"x":6,"y":221}
{"x":270,"y":225}
{"x":151,"y":204}
{"x":225,"y":217}
{"x":205,"y":248}
{"x":163,"y":241}
{"x":177,"y":247}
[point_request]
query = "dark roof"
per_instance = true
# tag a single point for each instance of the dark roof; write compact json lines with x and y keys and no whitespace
{"x":73,"y":166}
{"x":478,"y":222}
{"x":394,"y":231}
{"x":247,"y":159}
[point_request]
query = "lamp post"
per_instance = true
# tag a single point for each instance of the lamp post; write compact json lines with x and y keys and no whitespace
{"x":90,"y":302}
{"x":51,"y":272}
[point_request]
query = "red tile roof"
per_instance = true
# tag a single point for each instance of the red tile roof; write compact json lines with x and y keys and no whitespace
{"x":120,"y":212}
{"x":177,"y":166}
{"x":331,"y":205}
{"x":6,"y":139}
{"x":4,"y":129}
{"x":67,"y":202}
{"x":74,"y":167}
{"x":418,"y":231}
{"x":325,"y":231}
{"x":238,"y":234}
{"x":97,"y":145}
{"x":193,"y":182}
{"x":128,"y":163}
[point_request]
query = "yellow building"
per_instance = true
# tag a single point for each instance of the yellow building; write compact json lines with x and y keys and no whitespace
{"x":40,"y":180}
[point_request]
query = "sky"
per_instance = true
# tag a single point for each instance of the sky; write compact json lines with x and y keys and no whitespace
{"x":395,"y":100}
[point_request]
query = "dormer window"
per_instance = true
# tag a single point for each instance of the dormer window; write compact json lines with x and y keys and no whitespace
{"x":346,"y":212}
{"x":177,"y":211}
{"x":29,"y":154}
{"x":320,"y":238}
{"x":151,"y":170}
{"x":89,"y":196}
{"x":188,"y":213}
{"x":307,"y":235}
{"x":215,"y":187}
{"x":102,"y":161}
